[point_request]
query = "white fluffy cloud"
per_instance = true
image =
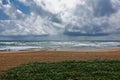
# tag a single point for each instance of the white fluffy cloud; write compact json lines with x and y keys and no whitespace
{"x":51,"y":17}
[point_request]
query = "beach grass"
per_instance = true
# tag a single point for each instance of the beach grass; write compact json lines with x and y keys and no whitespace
{"x":66,"y":70}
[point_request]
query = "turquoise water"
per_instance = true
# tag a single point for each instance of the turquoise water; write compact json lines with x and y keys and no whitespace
{"x":56,"y":45}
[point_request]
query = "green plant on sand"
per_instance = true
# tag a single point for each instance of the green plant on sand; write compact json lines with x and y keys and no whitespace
{"x":66,"y":70}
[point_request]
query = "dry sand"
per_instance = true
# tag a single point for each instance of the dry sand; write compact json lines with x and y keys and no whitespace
{"x":12,"y":59}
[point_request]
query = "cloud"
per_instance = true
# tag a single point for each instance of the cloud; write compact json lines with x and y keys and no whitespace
{"x":60,"y":17}
{"x":93,"y":18}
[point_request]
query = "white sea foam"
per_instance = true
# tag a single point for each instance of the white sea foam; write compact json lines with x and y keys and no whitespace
{"x":87,"y":45}
{"x":19,"y":48}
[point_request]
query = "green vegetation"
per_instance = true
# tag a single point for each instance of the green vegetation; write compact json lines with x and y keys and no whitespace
{"x":67,"y":70}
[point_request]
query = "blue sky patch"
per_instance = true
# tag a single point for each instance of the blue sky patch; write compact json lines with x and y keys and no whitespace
{"x":4,"y":2}
{"x":25,"y":9}
{"x":3,"y":16}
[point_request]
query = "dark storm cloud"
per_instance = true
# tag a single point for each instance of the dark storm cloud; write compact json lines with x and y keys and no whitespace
{"x":104,"y":8}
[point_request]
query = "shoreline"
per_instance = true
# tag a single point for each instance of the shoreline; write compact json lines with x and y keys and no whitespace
{"x":12,"y":59}
{"x":67,"y":50}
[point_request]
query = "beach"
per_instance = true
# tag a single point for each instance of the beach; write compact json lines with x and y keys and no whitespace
{"x":12,"y":59}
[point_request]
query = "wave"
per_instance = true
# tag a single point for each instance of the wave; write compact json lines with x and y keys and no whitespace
{"x":19,"y":48}
{"x":99,"y":44}
{"x":21,"y":45}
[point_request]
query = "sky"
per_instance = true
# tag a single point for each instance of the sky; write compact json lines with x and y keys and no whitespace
{"x":72,"y":19}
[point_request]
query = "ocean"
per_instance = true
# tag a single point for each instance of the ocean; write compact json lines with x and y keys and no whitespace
{"x":57,"y":45}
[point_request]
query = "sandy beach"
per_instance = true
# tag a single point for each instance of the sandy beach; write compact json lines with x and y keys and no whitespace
{"x":12,"y":59}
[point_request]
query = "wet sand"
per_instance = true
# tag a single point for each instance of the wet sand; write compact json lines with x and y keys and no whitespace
{"x":12,"y":59}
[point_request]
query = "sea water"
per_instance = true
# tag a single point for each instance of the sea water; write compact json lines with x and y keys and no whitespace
{"x":57,"y":45}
